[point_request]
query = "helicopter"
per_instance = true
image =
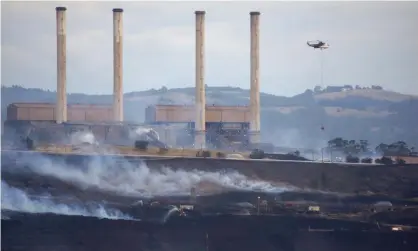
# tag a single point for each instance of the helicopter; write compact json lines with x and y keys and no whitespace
{"x":317,"y":44}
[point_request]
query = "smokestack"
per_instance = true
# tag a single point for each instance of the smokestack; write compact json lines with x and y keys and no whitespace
{"x":61,"y":104}
{"x":200,"y":105}
{"x":117,"y":65}
{"x":255,"y":75}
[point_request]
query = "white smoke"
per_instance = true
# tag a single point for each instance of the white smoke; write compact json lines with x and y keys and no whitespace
{"x":294,"y":139}
{"x":81,"y":137}
{"x":15,"y":199}
{"x":143,"y":132}
{"x":169,"y":213}
{"x":136,"y":179}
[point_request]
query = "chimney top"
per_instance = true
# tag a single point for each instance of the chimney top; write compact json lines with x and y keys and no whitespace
{"x":118,"y":10}
{"x":60,"y":8}
{"x":200,"y":12}
{"x":254,"y":13}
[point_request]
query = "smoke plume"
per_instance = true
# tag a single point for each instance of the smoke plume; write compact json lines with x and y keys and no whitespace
{"x":136,"y":179}
{"x":15,"y":199}
{"x":78,"y":138}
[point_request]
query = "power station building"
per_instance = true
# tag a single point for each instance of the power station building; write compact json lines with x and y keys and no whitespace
{"x":196,"y":125}
{"x":219,"y":126}
{"x":224,"y":125}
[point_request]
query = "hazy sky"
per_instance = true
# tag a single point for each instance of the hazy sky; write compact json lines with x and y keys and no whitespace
{"x":371,"y":43}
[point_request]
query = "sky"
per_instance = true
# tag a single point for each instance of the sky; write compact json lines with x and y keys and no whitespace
{"x":371,"y":43}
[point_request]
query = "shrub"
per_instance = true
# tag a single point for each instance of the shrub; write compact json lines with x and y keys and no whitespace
{"x":367,"y":160}
{"x":400,"y":161}
{"x":220,"y":155}
{"x":352,"y":159}
{"x":386,"y":161}
{"x":257,"y":154}
{"x":141,"y":144}
{"x":295,"y":153}
{"x":204,"y":154}
{"x":162,"y":150}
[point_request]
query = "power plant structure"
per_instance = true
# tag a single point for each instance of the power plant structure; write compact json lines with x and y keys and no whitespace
{"x":61,"y":104}
{"x":201,"y":126}
{"x":218,"y":126}
{"x":118,"y":65}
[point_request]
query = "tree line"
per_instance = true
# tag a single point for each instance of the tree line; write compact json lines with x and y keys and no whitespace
{"x":320,"y":89}
{"x":353,"y":147}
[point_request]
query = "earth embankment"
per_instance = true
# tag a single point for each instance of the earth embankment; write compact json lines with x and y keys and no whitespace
{"x":400,"y":181}
{"x":391,"y":180}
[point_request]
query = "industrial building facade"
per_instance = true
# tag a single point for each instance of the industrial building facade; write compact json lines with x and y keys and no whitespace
{"x":46,"y":112}
{"x":227,"y":115}
{"x":38,"y":120}
{"x":219,"y":126}
{"x":225,"y":125}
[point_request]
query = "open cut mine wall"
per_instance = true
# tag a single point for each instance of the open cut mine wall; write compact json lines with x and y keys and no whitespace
{"x":391,"y":180}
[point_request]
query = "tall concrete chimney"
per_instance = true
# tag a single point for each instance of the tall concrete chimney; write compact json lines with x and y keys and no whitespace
{"x":117,"y":65}
{"x":61,"y":104}
{"x":255,"y":76}
{"x":200,"y":100}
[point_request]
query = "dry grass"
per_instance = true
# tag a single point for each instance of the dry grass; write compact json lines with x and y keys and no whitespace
{"x":367,"y":93}
{"x":343,"y":112}
{"x":126,"y":150}
{"x":283,"y":109}
{"x":156,"y":151}
{"x":334,"y":111}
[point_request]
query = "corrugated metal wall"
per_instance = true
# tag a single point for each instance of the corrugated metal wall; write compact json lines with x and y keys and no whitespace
{"x":50,"y":132}
{"x":181,"y":114}
{"x":96,"y":113}
{"x":46,"y":112}
{"x":76,"y":115}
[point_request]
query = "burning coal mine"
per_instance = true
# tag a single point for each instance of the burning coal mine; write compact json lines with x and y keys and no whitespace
{"x":77,"y":177}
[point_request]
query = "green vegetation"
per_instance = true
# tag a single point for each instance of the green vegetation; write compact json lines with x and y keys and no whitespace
{"x":352,"y":159}
{"x":329,"y":89}
{"x":353,"y":147}
{"x":349,"y":147}
{"x":399,"y":148}
{"x":257,"y":154}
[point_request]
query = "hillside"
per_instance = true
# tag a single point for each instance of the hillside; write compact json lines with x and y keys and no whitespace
{"x":375,"y":115}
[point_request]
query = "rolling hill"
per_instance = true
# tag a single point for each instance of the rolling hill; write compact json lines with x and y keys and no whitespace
{"x":375,"y":115}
